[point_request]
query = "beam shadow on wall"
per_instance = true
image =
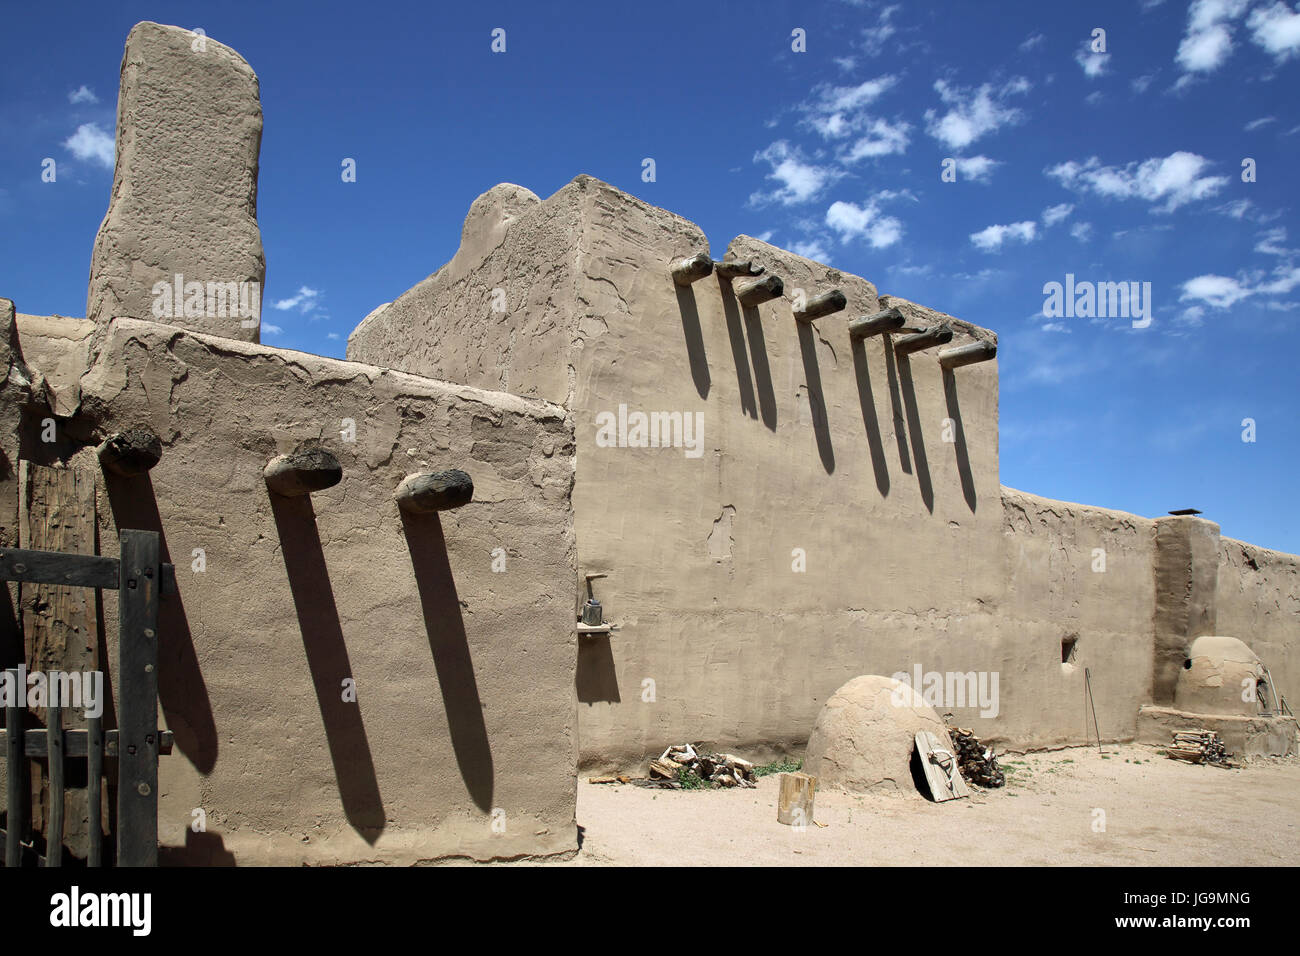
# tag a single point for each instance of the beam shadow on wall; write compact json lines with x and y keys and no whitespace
{"x":914,"y":431}
{"x":694,"y":339}
{"x":328,"y":662}
{"x":896,"y":404}
{"x":762,"y":373}
{"x":739,"y":353}
{"x":597,"y":677}
{"x":816,"y":397}
{"x":869,"y":420}
{"x":959,"y":439}
{"x":182,"y":691}
{"x":445,"y":627}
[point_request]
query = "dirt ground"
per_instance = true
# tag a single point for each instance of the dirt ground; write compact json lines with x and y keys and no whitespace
{"x":1132,"y":807}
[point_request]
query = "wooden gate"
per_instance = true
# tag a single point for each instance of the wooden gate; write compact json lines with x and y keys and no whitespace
{"x":140,"y":578}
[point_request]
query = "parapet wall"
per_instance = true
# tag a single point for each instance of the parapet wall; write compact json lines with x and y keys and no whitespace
{"x":838,"y":514}
{"x":460,"y":737}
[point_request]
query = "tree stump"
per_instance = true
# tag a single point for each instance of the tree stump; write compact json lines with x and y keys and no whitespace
{"x":794,"y":804}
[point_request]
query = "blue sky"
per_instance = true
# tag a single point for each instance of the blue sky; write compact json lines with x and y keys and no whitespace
{"x":1122,"y":165}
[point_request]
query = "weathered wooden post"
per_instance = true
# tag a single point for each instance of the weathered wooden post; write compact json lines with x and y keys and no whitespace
{"x":794,"y":804}
{"x":732,"y":268}
{"x":825,"y":304}
{"x":692,"y":268}
{"x":15,"y":768}
{"x":756,"y":291}
{"x":312,"y":469}
{"x":925,"y":339}
{"x":434,"y":491}
{"x":54,"y":758}
{"x":877,"y":323}
{"x":138,"y":738}
{"x":967,"y":354}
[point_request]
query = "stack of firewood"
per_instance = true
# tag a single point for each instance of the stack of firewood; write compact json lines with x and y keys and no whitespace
{"x":1199,"y":746}
{"x":977,"y":763}
{"x":719,"y":770}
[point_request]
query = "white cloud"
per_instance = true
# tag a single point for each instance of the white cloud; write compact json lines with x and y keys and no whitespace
{"x":1171,"y":181}
{"x":837,"y":98}
{"x":1287,"y":278}
{"x":1193,"y":315}
{"x":852,"y":221}
{"x":1236,"y":209}
{"x":1276,"y":28}
{"x":90,"y":142}
{"x":304,"y":301}
{"x":991,"y":238}
{"x":1270,"y":243}
{"x":1256,"y":124}
{"x":1054,"y":214}
{"x":1033,"y":40}
{"x":1207,"y":42}
{"x":874,"y":37}
{"x":1092,"y":64}
{"x":1141,"y":83}
{"x":1081,"y":231}
{"x":83,"y":94}
{"x":1218,"y":292}
{"x":1054,"y":327}
{"x":800,"y":180}
{"x":882,"y":139}
{"x":269,"y":329}
{"x":973,"y":113}
{"x":977,"y":169}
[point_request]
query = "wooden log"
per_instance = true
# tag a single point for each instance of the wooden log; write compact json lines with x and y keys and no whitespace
{"x":301,"y":473}
{"x":732,"y":268}
{"x":131,"y":452}
{"x":15,"y":775}
{"x":95,"y":789}
{"x":434,"y":491}
{"x":757,"y":291}
{"x":692,"y":268}
{"x":967,"y":354}
{"x":927,"y":338}
{"x":877,"y":323}
{"x":794,"y":801}
{"x":77,"y":743}
{"x":54,"y":750}
{"x":825,"y":304}
{"x":57,"y":523}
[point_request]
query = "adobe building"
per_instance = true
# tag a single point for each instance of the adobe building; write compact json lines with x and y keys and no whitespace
{"x":772,"y":476}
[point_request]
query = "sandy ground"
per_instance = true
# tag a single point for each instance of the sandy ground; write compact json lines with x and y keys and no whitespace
{"x":1157,"y":812}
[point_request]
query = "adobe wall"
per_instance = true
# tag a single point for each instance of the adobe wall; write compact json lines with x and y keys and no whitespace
{"x":1259,"y":602}
{"x":463,"y":676}
{"x":901,"y":531}
{"x":914,"y":553}
{"x":1082,"y":573}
